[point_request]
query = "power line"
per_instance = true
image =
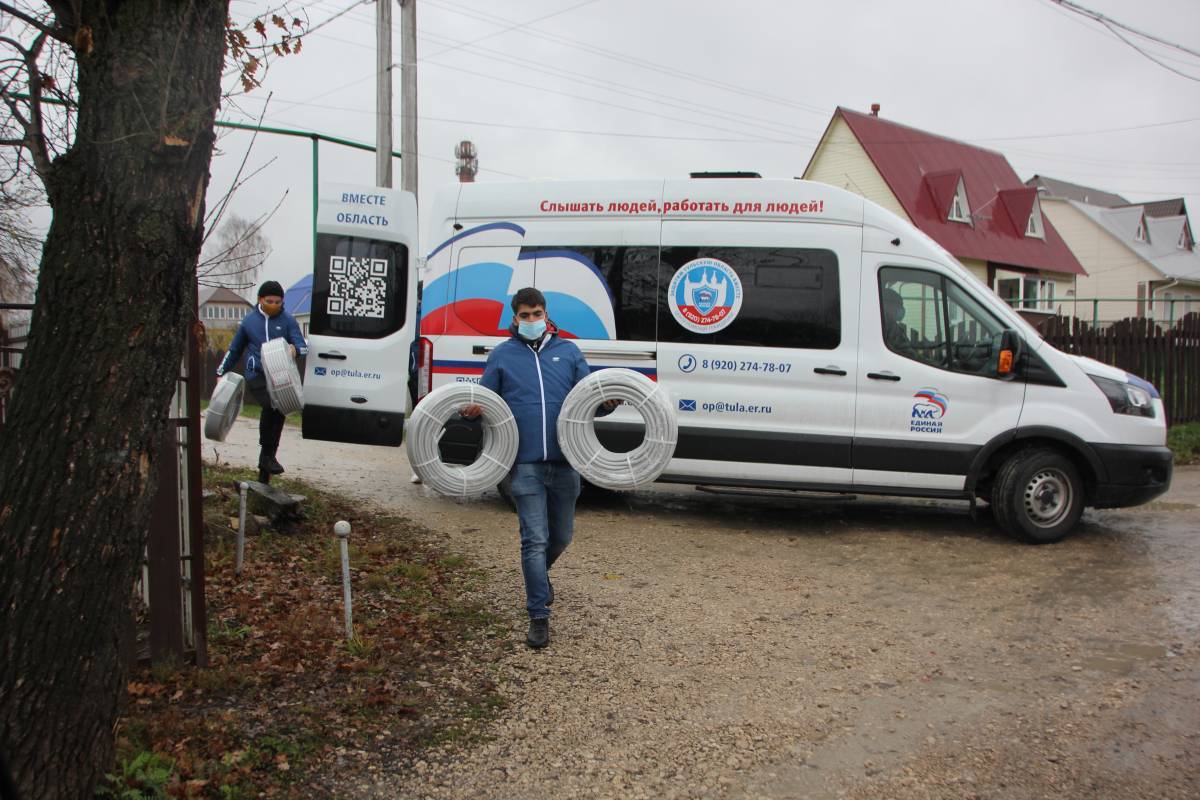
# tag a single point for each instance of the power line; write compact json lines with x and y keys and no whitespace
{"x":1093,"y":132}
{"x":513,"y":27}
{"x":781,"y":128}
{"x":1110,"y":23}
{"x":1120,"y":29}
{"x":635,"y":61}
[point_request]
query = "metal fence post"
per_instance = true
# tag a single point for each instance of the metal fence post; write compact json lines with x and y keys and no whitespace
{"x":342,"y":530}
{"x":241,"y":537}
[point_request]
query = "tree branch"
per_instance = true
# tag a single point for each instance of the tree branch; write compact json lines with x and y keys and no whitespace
{"x":56,"y":32}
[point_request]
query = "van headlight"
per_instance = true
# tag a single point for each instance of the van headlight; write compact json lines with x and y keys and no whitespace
{"x":1125,"y":398}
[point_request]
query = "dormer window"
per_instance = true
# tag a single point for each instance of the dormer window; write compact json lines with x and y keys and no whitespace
{"x":1140,"y":234}
{"x":959,"y":210}
{"x":1034,"y":226}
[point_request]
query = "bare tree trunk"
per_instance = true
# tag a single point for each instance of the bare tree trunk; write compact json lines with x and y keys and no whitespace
{"x":114,"y":299}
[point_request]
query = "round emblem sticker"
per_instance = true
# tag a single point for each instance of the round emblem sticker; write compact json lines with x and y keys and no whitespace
{"x":705,"y":295}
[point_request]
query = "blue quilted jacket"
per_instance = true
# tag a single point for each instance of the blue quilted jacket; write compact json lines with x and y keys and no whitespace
{"x":534,"y":382}
{"x":253,"y":332}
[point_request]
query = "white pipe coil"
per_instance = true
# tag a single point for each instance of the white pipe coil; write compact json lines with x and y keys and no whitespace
{"x":224,"y":407}
{"x":283,"y":379}
{"x":427,"y":424}
{"x":577,"y":429}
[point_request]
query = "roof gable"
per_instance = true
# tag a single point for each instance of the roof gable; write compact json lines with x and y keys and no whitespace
{"x":1073,"y":191}
{"x":1161,"y":246}
{"x":913,"y":163}
{"x":298,"y":298}
{"x":1019,"y":205}
{"x":943,"y":188}
{"x":220,"y":294}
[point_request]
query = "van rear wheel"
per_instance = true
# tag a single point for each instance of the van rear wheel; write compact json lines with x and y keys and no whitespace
{"x":1038,"y":496}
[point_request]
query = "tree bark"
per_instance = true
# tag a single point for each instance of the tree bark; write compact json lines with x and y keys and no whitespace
{"x":114,"y":298}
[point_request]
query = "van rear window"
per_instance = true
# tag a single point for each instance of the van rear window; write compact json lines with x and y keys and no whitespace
{"x":790,"y":297}
{"x":359,"y":287}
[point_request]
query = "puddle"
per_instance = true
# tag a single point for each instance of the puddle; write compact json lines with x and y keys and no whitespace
{"x":1122,"y":659}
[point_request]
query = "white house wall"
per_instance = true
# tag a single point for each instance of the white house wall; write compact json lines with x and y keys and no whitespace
{"x":1113,"y":269}
{"x":842,"y":162}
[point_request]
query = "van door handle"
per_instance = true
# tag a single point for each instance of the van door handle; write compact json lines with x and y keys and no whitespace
{"x":830,"y":370}
{"x":883,"y":376}
{"x":334,"y":355}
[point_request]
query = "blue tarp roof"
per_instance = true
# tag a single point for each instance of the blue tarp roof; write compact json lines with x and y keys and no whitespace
{"x":298,"y":298}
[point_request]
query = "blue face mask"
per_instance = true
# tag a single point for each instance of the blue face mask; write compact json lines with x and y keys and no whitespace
{"x":531,"y":330}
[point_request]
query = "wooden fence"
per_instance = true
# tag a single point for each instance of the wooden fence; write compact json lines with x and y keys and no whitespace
{"x":1166,"y":355}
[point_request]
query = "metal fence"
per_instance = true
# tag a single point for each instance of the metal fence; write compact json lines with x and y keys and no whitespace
{"x":1166,"y":354}
{"x":1100,"y":312}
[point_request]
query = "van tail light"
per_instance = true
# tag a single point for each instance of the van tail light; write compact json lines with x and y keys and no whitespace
{"x":424,"y":367}
{"x":1005,"y":365}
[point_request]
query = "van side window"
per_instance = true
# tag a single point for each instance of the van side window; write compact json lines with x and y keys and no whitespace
{"x":631,"y":273}
{"x":359,"y":287}
{"x":790,"y":297}
{"x":933,"y":320}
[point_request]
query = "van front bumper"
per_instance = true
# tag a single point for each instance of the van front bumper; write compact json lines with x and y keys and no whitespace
{"x":1135,"y":474}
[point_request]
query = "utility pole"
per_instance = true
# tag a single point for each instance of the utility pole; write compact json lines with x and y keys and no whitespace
{"x":408,"y":94}
{"x":383,"y":93}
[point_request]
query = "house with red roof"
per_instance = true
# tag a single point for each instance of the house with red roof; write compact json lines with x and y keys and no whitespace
{"x":966,"y":198}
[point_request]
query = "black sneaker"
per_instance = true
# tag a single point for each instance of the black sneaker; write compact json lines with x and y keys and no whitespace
{"x":274,"y":467}
{"x":539,"y":633}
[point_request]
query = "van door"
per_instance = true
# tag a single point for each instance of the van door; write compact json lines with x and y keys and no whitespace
{"x":364,"y":316}
{"x":757,"y":345}
{"x":928,"y":396}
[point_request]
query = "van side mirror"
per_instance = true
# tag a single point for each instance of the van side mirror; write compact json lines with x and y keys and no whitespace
{"x":1008,"y":355}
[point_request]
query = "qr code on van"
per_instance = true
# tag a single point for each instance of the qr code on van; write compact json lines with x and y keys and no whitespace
{"x":357,"y":286}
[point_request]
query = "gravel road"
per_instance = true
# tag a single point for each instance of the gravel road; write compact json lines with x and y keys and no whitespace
{"x":801,"y":647}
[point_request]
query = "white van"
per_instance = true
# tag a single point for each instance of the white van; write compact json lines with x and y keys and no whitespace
{"x":809,"y":339}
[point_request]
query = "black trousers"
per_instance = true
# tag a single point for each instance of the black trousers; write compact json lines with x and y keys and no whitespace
{"x":270,"y":424}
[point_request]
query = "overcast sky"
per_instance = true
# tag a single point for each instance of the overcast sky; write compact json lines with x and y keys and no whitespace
{"x":658,"y":88}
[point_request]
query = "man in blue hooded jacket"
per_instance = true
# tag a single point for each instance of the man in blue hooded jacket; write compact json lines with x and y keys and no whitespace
{"x":267,"y":321}
{"x":533,"y":371}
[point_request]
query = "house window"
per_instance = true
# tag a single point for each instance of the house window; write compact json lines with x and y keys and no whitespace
{"x":1185,"y":241}
{"x":305,"y":326}
{"x":1027,"y":292}
{"x":1140,"y":234}
{"x":960,"y":211}
{"x":1034,"y":226}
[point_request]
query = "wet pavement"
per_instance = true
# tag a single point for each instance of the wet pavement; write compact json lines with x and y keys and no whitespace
{"x":807,"y":646}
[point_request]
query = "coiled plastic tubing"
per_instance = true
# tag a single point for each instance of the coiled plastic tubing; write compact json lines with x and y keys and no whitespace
{"x":577,"y":429}
{"x":283,"y":379}
{"x":427,"y":424}
{"x":224,"y":407}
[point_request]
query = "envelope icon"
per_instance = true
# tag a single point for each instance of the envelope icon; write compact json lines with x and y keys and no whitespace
{"x":687,"y":405}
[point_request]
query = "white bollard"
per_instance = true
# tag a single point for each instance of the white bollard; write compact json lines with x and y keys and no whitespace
{"x":241,"y":536}
{"x":341,"y":529}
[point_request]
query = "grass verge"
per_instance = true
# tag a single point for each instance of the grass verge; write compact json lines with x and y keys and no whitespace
{"x":1184,"y":441}
{"x":288,"y":706}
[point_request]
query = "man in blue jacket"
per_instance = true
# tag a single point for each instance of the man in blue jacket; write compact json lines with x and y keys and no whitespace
{"x":533,"y":371}
{"x":267,"y":321}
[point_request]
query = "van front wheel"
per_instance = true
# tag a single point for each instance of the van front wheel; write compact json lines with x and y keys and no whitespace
{"x":1038,"y":496}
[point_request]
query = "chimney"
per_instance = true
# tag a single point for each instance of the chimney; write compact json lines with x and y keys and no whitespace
{"x":874,"y":109}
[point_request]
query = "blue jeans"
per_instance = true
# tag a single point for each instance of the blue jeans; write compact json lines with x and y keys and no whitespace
{"x":544,"y":493}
